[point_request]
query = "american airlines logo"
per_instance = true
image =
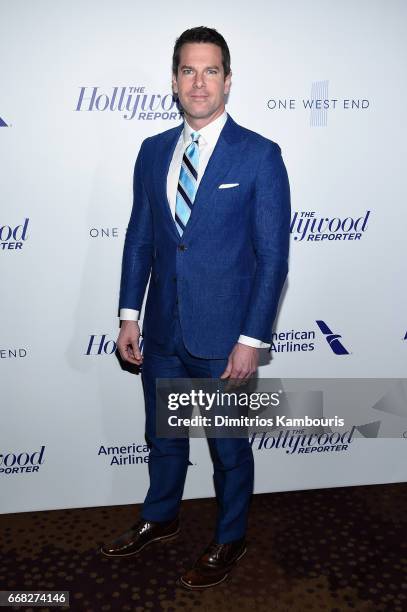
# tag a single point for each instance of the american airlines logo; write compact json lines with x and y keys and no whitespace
{"x":126,"y":454}
{"x":303,"y":340}
{"x":332,"y":339}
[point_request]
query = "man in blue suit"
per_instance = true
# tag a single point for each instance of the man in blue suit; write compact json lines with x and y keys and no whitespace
{"x":210,"y":223}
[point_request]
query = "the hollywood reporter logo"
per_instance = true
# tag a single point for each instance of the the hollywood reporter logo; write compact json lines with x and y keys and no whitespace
{"x":24,"y":462}
{"x":100,"y":344}
{"x":298,"y":441}
{"x":13,"y":238}
{"x":306,"y":226}
{"x":131,"y":102}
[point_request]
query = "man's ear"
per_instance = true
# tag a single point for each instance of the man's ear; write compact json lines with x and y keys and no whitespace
{"x":174,"y":85}
{"x":228,"y":83}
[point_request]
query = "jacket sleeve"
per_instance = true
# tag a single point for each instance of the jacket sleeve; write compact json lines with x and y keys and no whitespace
{"x":138,"y":244}
{"x":270,"y":237}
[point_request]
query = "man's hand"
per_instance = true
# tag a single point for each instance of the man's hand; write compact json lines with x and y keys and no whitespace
{"x":127,"y":342}
{"x":242,"y":362}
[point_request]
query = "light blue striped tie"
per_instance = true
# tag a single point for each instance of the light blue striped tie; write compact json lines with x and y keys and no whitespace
{"x":187,"y":184}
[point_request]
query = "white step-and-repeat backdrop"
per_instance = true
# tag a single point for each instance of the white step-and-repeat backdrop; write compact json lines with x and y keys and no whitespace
{"x":82,"y":84}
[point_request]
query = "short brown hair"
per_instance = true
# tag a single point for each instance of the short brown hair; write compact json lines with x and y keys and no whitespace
{"x":201,"y":34}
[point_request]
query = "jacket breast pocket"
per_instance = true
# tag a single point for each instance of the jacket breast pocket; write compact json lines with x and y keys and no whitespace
{"x":230,"y":201}
{"x":228,"y":193}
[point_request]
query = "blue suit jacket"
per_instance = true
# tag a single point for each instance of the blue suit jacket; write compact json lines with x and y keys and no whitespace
{"x":228,"y":269}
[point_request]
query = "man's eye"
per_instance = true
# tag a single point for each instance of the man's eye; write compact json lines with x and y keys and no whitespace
{"x":211,"y":71}
{"x":187,"y":71}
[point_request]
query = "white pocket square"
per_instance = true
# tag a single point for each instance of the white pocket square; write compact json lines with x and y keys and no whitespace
{"x":228,"y":185}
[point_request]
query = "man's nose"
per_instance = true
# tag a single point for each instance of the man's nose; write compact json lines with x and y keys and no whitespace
{"x":199,"y":81}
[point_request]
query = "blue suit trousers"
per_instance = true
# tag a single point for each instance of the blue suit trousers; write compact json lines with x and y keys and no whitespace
{"x":168,"y":461}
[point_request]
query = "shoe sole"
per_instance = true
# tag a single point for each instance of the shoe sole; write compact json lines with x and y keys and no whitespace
{"x":170,"y":536}
{"x":206,"y":586}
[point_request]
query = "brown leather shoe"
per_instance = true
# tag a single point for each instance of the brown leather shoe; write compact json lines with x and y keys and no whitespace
{"x":140,"y":535}
{"x":215,"y":564}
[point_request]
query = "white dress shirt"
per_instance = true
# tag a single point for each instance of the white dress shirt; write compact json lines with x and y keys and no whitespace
{"x":208,"y":138}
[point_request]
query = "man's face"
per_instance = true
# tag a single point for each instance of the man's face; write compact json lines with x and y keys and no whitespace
{"x":200,"y":82}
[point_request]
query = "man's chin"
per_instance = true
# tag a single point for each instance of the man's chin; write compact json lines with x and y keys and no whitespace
{"x":200,"y":113}
{"x":195,"y":113}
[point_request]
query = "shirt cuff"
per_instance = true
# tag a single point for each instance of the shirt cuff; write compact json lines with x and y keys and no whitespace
{"x":253,"y":342}
{"x":129,"y":314}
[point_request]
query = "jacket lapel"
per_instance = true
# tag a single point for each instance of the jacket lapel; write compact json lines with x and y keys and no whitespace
{"x":224,"y":155}
{"x":162,"y":164}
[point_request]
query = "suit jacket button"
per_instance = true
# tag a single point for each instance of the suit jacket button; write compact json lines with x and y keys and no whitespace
{"x":182,"y":247}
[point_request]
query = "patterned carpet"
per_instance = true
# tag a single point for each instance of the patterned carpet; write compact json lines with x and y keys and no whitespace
{"x":328,"y":550}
